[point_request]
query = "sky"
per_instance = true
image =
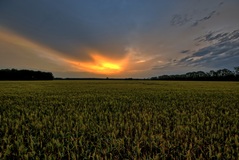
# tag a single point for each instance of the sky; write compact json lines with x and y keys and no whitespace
{"x":119,"y":38}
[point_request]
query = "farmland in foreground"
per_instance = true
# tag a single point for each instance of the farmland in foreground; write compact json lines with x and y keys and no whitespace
{"x":119,"y":120}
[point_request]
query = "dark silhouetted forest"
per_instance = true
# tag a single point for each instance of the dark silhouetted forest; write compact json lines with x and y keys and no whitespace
{"x":219,"y":75}
{"x":14,"y":74}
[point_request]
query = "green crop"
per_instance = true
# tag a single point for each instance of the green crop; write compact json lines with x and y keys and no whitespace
{"x":112,"y":119}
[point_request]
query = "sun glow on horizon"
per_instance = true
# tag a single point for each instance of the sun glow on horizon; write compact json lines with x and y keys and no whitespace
{"x":101,"y":64}
{"x":98,"y":63}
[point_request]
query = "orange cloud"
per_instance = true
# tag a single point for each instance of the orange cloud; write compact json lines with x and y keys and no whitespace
{"x":100,"y":64}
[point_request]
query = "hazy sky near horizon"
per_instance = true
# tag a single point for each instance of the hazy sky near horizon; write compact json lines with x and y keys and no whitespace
{"x":119,"y":38}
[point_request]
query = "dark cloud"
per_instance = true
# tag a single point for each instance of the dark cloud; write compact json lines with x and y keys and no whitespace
{"x":179,"y":20}
{"x":224,"y":52}
{"x":221,"y":3}
{"x":183,"y":19}
{"x":221,"y":37}
{"x":198,"y":21}
{"x":185,"y":51}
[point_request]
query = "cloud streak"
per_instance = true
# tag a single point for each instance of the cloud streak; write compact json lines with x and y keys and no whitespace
{"x":223,"y":52}
{"x":40,"y":51}
{"x":210,"y":15}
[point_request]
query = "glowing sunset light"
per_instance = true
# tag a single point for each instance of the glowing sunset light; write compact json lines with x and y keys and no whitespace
{"x":110,"y":66}
{"x":101,"y":64}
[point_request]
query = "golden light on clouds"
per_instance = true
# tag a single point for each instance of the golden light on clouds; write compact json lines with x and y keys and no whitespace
{"x":100,"y":64}
{"x":31,"y":47}
{"x":20,"y":52}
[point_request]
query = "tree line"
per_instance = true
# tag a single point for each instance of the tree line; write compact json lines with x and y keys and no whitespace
{"x":219,"y":75}
{"x":14,"y":74}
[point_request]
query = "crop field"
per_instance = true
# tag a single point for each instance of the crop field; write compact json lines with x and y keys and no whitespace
{"x":113,"y":119}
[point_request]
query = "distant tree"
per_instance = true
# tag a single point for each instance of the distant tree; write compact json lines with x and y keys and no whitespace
{"x":225,"y":74}
{"x":13,"y":74}
{"x":164,"y":77}
{"x":213,"y":73}
{"x":201,"y":74}
{"x":190,"y":75}
{"x":221,"y":74}
{"x":236,"y":70}
{"x":153,"y":78}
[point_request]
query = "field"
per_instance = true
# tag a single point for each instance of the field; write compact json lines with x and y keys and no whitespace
{"x":119,"y":120}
